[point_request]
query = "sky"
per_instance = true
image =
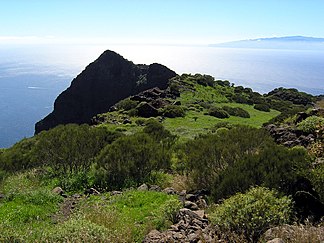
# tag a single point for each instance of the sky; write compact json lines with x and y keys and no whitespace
{"x":156,"y":21}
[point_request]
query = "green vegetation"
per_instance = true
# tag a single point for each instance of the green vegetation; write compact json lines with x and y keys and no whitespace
{"x":253,"y":212}
{"x":210,"y":138}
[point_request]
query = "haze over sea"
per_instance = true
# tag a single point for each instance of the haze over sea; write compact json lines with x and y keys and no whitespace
{"x":32,"y":77}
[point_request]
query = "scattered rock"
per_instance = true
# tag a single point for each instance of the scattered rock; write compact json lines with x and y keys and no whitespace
{"x":58,"y":190}
{"x":276,"y":240}
{"x":142,"y":187}
{"x":289,"y":137}
{"x":146,"y":110}
{"x":170,"y":190}
{"x":191,"y":227}
{"x":201,"y":203}
{"x":113,"y":193}
{"x":190,"y":205}
{"x":91,"y":191}
{"x":155,"y":188}
{"x":191,"y":197}
{"x":127,"y":121}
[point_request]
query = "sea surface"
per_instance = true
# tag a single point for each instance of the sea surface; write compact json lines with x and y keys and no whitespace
{"x":31,"y":77}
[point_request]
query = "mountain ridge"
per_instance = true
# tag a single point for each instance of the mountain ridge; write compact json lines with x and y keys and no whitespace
{"x":285,"y":42}
{"x":105,"y":81}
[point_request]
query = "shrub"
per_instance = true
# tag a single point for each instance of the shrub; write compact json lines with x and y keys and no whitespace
{"x":170,"y":209}
{"x":72,"y":148}
{"x":206,"y":156}
{"x":274,"y":166}
{"x":173,"y":111}
{"x":310,"y":124}
{"x":218,"y":112}
{"x":262,"y":107}
{"x":253,"y":212}
{"x":20,"y":156}
{"x":236,"y":111}
{"x":127,"y":104}
{"x":130,"y":161}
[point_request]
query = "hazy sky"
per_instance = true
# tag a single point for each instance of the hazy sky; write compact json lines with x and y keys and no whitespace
{"x":156,"y":21}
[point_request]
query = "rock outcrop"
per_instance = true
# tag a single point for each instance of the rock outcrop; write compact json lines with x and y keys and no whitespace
{"x":104,"y":82}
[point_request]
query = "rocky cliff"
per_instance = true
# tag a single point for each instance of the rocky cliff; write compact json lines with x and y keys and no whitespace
{"x":104,"y":82}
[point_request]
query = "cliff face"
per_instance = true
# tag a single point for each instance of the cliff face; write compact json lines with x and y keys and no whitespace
{"x":103,"y":83}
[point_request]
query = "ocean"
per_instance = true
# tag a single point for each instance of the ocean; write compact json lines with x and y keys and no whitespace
{"x":31,"y":77}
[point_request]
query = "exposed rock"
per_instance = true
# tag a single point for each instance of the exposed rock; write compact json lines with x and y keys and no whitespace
{"x":201,"y":203}
{"x":113,"y":193}
{"x":295,"y":233}
{"x":103,"y":83}
{"x":142,"y":187}
{"x":190,"y":227}
{"x":191,"y":197}
{"x":276,"y":240}
{"x":170,"y":190}
{"x":2,"y":196}
{"x":58,"y":190}
{"x":289,"y":137}
{"x":127,"y":121}
{"x":147,"y":110}
{"x":190,"y":205}
{"x":155,"y":188}
{"x":91,"y":191}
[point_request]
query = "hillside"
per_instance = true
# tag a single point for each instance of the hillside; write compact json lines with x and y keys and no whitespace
{"x":104,"y":82}
{"x":187,"y":159}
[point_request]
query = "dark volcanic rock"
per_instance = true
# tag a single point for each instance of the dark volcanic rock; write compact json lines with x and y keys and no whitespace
{"x":103,"y":83}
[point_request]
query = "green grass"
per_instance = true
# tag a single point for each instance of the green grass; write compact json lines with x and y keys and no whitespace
{"x":26,"y":214}
{"x":27,"y":208}
{"x":187,"y":127}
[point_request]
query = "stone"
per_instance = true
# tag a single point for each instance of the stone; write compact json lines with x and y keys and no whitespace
{"x":276,"y":240}
{"x":91,"y":191}
{"x":127,"y":121}
{"x":2,"y":196}
{"x":170,"y":190}
{"x":201,"y":203}
{"x":58,"y":190}
{"x":191,"y":197}
{"x":146,"y":110}
{"x":190,"y":205}
{"x":142,"y":187}
{"x":113,"y":193}
{"x":155,"y":188}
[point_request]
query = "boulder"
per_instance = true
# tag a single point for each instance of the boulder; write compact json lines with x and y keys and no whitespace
{"x":58,"y":190}
{"x":91,"y":191}
{"x":146,"y":110}
{"x":190,"y":205}
{"x":155,"y":188}
{"x":142,"y":187}
{"x":170,"y":190}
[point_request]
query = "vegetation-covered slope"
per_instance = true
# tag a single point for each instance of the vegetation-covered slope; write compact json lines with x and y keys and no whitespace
{"x":201,"y":139}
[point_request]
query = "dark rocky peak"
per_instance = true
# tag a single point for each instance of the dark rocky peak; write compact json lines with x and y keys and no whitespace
{"x":103,"y":83}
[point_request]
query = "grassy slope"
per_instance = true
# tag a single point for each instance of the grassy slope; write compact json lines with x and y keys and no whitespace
{"x":27,"y":214}
{"x":195,"y":121}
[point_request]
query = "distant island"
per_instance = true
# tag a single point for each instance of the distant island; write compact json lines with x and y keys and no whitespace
{"x":287,"y":42}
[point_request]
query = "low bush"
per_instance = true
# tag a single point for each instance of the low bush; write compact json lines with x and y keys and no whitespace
{"x":173,"y":111}
{"x":262,"y":107}
{"x":274,"y":166}
{"x":236,"y":111}
{"x":208,"y":155}
{"x":218,"y":112}
{"x":310,"y":124}
{"x":252,"y":213}
{"x":127,"y":104}
{"x":130,"y":160}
